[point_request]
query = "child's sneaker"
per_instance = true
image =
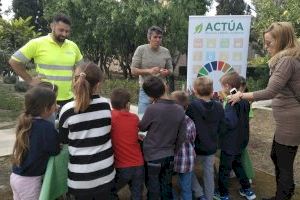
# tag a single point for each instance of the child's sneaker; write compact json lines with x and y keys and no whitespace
{"x":217,"y":196}
{"x":248,"y":193}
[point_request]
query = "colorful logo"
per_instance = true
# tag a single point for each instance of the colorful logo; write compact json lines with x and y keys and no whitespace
{"x":214,"y":66}
{"x":215,"y":70}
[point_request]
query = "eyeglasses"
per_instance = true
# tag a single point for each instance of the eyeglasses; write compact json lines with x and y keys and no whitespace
{"x":269,"y":44}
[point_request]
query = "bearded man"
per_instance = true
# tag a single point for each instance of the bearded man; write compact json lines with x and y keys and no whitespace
{"x":54,"y":56}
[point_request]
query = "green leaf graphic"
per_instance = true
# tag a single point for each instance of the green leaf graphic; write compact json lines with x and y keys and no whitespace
{"x":199,"y":28}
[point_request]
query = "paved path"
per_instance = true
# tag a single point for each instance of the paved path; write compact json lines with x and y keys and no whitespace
{"x":7,"y":138}
{"x":265,"y":105}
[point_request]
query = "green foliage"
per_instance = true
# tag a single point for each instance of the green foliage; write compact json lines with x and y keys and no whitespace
{"x":257,"y":77}
{"x":10,"y":79}
{"x":13,"y":35}
{"x":21,"y":86}
{"x":131,"y":85}
{"x":231,"y":7}
{"x":30,"y":8}
{"x":269,"y":11}
{"x":258,"y":73}
{"x":92,"y":27}
{"x":256,"y":84}
{"x":259,"y":61}
{"x":9,"y":101}
{"x":176,"y":26}
{"x":0,"y":9}
{"x":107,"y":30}
{"x":11,"y":104}
{"x":26,"y":8}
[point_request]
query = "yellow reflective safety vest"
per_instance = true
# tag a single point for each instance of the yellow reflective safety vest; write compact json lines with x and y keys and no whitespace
{"x":54,"y":63}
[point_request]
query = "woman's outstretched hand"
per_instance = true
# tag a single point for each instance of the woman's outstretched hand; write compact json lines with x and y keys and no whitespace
{"x":234,"y":98}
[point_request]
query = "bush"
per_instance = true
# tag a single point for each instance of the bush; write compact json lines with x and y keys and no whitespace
{"x":10,"y":101}
{"x":131,"y":85}
{"x":257,"y":77}
{"x":10,"y":79}
{"x":21,"y":86}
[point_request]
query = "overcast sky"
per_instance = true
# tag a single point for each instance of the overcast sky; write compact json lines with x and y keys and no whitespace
{"x":8,"y":3}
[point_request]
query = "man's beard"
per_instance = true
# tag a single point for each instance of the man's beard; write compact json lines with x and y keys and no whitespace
{"x":58,"y":38}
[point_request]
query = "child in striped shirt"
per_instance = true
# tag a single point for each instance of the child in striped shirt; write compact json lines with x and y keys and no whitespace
{"x":85,"y":125}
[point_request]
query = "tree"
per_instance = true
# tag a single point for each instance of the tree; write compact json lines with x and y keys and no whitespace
{"x":135,"y":17}
{"x":25,"y":8}
{"x":0,"y":9}
{"x":269,"y":11}
{"x":231,"y":7}
{"x":31,"y":8}
{"x":91,"y":27}
{"x":111,"y":30}
{"x":13,"y":35}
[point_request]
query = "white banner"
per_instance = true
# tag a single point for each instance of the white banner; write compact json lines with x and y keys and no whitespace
{"x":217,"y":45}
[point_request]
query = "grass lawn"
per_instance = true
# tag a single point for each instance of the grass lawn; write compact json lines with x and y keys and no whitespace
{"x":11,"y":103}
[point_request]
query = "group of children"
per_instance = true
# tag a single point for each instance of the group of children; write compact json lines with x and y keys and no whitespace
{"x":106,"y":152}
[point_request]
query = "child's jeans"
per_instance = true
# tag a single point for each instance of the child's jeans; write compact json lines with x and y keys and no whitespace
{"x":144,"y":101}
{"x":185,"y":183}
{"x":134,"y":177}
{"x":207,"y":163}
{"x":159,"y":178}
{"x":227,"y":163}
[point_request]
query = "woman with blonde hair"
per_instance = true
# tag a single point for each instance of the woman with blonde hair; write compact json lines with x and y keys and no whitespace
{"x":284,"y":90}
{"x":85,"y":125}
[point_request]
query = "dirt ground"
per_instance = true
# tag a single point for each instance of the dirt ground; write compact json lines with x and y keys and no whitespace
{"x":262,"y":129}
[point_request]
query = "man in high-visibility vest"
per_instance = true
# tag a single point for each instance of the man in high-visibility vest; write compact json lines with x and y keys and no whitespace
{"x":54,"y":56}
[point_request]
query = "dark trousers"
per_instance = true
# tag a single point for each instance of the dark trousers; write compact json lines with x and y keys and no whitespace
{"x":93,"y":197}
{"x":227,"y":163}
{"x":159,"y":178}
{"x":283,"y":158}
{"x":97,"y":196}
{"x":134,"y":177}
{"x":103,"y":192}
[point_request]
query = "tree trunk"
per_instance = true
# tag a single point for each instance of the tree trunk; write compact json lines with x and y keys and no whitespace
{"x":123,"y":67}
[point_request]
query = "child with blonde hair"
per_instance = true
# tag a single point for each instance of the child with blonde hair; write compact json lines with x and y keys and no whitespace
{"x":208,"y":116}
